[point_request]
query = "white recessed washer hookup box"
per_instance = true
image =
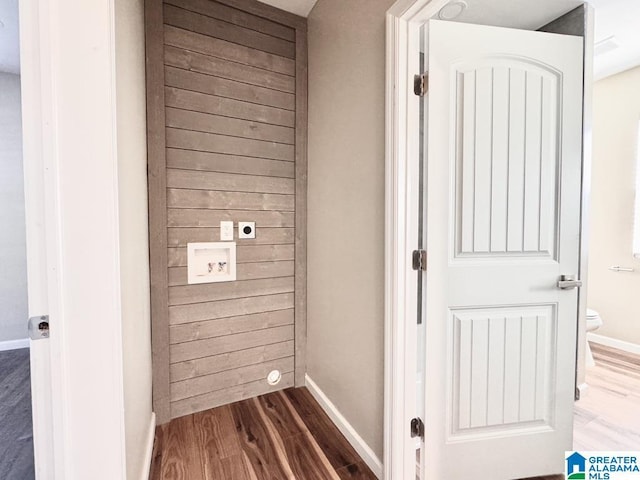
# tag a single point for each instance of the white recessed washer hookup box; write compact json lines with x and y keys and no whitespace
{"x":210,"y":262}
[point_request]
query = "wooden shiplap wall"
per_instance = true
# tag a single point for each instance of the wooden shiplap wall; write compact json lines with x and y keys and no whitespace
{"x":227,"y":103}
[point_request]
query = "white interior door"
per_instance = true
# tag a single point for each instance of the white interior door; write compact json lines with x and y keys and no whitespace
{"x":502,"y":214}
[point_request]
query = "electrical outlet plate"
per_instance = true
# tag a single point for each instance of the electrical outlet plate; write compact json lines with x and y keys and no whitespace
{"x":226,"y":231}
{"x":246,"y":229}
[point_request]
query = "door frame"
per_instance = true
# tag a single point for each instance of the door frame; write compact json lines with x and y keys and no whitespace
{"x":69,"y":109}
{"x":403,"y":22}
{"x":44,"y":411}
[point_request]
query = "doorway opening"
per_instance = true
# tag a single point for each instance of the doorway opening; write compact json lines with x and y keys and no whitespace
{"x":467,"y":412}
{"x":607,"y":415}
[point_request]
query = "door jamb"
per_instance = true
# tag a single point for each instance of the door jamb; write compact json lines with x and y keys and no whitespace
{"x":54,"y":190}
{"x":585,"y":213}
{"x":403,"y":23}
{"x":45,"y":377}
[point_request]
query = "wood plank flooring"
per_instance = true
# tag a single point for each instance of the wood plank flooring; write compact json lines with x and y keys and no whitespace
{"x":286,"y":435}
{"x":16,"y":430}
{"x":608,"y":416}
{"x":280,"y":435}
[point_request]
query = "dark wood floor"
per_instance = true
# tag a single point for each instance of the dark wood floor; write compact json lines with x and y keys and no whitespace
{"x":281,"y":435}
{"x":16,"y":430}
{"x":286,"y":435}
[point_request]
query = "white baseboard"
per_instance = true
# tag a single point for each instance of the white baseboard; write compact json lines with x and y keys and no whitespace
{"x":614,"y":343}
{"x":148,"y":453}
{"x":356,"y":441}
{"x":14,"y":344}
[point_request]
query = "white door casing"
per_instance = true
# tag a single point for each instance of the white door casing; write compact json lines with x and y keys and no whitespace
{"x":37,"y":217}
{"x":503,"y":215}
{"x":71,"y":190}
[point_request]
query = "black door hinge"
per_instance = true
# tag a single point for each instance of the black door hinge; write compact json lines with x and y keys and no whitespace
{"x":419,"y":260}
{"x":417,"y":428}
{"x":421,"y":84}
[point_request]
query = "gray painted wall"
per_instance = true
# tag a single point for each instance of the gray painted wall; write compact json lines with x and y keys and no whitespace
{"x":134,"y":240}
{"x":346,"y":209}
{"x":13,"y":260}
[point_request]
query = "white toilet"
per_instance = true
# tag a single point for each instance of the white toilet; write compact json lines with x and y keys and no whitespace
{"x":594,"y":322}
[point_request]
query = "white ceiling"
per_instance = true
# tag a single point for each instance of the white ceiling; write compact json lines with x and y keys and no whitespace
{"x":9,"y":37}
{"x":522,"y":14}
{"x":299,"y":7}
{"x":618,"y":18}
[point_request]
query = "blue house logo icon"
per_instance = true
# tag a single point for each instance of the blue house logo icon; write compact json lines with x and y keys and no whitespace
{"x":576,"y":466}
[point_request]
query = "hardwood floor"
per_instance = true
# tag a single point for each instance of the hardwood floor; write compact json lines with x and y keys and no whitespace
{"x":281,"y":435}
{"x":286,"y":435}
{"x":608,"y":417}
{"x":16,"y":430}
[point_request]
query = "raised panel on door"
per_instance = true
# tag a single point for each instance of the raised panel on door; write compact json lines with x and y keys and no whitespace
{"x":503,"y":359}
{"x":507,"y":165}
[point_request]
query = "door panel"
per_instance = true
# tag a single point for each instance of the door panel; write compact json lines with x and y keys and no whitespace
{"x":507,"y":129}
{"x":503,"y":363}
{"x":503,"y":204}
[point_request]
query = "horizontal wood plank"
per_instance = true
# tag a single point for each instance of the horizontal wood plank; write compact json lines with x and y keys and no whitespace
{"x":232,"y":128}
{"x":215,"y":47}
{"x":211,"y":292}
{"x":228,"y":182}
{"x":245,"y":271}
{"x":228,"y":107}
{"x":218,"y":162}
{"x":208,"y":123}
{"x":226,"y":361}
{"x":180,"y":217}
{"x":209,"y":142}
{"x":178,"y":237}
{"x":198,"y":312}
{"x":181,"y":198}
{"x":222,"y":397}
{"x":212,"y":27}
{"x":222,"y":87}
{"x":245,"y":254}
{"x":201,"y":63}
{"x":237,"y":17}
{"x":270,"y":12}
{"x":229,"y":343}
{"x":229,"y":326}
{"x":228,"y":378}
